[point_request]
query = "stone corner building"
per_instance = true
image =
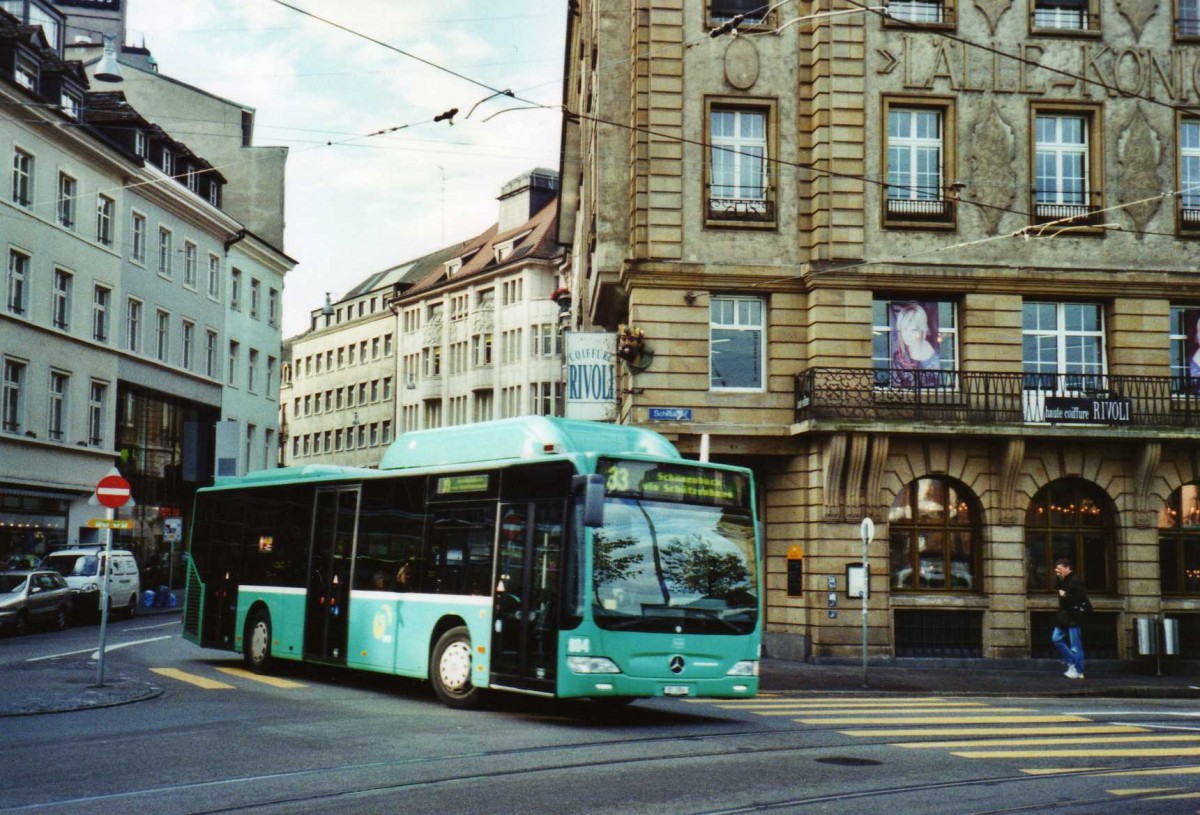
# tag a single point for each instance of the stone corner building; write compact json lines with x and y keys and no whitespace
{"x":935,"y":267}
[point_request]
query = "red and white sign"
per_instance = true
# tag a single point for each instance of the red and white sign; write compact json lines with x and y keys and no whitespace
{"x":512,"y":526}
{"x":113,"y":491}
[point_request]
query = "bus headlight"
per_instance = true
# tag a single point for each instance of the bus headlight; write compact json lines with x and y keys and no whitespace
{"x":592,"y":665}
{"x":747,"y":667}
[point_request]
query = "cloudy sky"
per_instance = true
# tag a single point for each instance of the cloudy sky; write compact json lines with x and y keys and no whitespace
{"x":364,"y":204}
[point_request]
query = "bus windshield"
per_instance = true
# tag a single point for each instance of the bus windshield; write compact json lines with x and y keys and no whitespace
{"x":674,"y":566}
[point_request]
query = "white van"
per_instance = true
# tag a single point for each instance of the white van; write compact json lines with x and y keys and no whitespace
{"x":82,"y":567}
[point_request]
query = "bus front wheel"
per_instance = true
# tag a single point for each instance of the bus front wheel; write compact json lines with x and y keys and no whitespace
{"x":450,"y":670}
{"x":257,"y":642}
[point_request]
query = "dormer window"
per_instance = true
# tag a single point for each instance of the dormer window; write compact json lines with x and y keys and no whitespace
{"x":503,"y":251}
{"x":140,"y":145}
{"x":70,"y":105}
{"x":191,"y":179}
{"x":26,"y":73}
{"x":168,"y":161}
{"x":453,"y":267}
{"x":214,"y":193}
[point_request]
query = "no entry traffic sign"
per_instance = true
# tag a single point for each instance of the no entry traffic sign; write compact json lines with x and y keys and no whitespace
{"x":112,"y":491}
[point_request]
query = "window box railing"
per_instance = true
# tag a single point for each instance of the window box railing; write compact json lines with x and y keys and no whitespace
{"x":1189,"y":219}
{"x":920,"y":210}
{"x":1066,"y":18}
{"x":977,"y":398}
{"x":746,"y":210}
{"x":1084,"y":213}
{"x":920,"y":12}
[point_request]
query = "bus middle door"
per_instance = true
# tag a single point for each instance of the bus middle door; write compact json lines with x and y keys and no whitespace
{"x":526,"y":597}
{"x":326,"y":615}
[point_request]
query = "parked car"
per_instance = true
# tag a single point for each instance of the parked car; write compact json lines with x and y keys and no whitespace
{"x":18,"y":562}
{"x":82,"y":567}
{"x":31,"y":597}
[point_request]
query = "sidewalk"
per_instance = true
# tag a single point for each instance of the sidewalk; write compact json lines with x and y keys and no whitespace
{"x":68,"y":684}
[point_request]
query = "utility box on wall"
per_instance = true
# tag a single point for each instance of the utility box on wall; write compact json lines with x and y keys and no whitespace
{"x":795,"y":570}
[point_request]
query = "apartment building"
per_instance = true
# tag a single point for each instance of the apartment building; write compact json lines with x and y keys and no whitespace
{"x":932,"y":265}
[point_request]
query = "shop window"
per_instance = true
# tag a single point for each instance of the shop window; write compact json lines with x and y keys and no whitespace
{"x":935,"y":538}
{"x":1071,"y":518}
{"x":1179,"y":541}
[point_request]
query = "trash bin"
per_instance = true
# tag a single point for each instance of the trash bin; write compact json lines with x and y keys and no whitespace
{"x":1170,"y":636}
{"x":1147,"y":639}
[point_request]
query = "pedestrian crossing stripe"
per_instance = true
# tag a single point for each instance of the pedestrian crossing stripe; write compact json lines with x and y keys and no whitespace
{"x":1183,"y":796}
{"x":1192,"y":770}
{"x":943,"y":732}
{"x":192,"y":679}
{"x":1146,"y":791}
{"x":884,"y":711}
{"x":1033,"y":742}
{"x":1130,"y":752}
{"x":956,"y":719}
{"x":273,"y":681}
{"x":784,"y":709}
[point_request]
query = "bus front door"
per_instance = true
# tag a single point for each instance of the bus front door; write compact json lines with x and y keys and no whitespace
{"x":326,"y":612}
{"x":525,"y":613}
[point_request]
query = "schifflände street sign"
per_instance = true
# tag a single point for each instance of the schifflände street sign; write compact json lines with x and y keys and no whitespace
{"x":104,"y":523}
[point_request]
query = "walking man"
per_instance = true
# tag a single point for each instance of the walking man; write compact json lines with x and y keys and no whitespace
{"x":1072,"y":605}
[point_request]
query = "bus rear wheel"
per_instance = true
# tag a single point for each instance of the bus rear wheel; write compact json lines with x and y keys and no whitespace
{"x":256,"y":643}
{"x":450,"y":670}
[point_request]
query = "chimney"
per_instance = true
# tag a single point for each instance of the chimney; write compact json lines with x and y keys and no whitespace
{"x":525,"y":196}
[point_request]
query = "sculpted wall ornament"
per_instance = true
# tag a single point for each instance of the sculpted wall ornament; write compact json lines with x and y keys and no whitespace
{"x":1139,"y":152}
{"x":1138,"y":13}
{"x":992,"y":10}
{"x":993,"y":151}
{"x":741,"y":63}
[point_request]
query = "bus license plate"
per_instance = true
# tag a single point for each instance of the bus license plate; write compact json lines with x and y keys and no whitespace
{"x":676,"y":690}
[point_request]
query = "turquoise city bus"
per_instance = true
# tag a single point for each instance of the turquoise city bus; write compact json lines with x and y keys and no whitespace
{"x":539,"y":555}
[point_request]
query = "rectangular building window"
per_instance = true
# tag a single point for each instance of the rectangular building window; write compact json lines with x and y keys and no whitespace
{"x":235,"y":289}
{"x":17,"y":295}
{"x":913,"y":342}
{"x":96,"y":399}
{"x":162,"y":335}
{"x":1189,"y":175}
{"x":13,"y":417}
{"x":67,"y":190}
{"x":738,"y":173}
{"x":917,"y":151}
{"x":214,"y":277}
{"x":59,"y":386}
{"x":231,"y":364}
{"x":273,"y":308}
{"x":547,"y":341}
{"x":60,"y":304}
{"x":22,"y":178}
{"x":255,"y":297}
{"x":1065,"y":15}
{"x":921,"y":11}
{"x":137,"y":237}
{"x":189,"y":264}
{"x":101,"y":298}
{"x":737,"y":332}
{"x":210,"y":354}
{"x":188,"y":357}
{"x":753,"y":11}
{"x":104,"y":219}
{"x":165,"y":251}
{"x":1063,"y":345}
{"x":133,"y":325}
{"x":1185,"y":349}
{"x":1065,"y":170}
{"x":1187,"y":18}
{"x":252,"y":370}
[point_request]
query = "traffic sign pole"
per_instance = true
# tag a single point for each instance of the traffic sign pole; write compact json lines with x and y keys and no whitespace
{"x":113,"y":491}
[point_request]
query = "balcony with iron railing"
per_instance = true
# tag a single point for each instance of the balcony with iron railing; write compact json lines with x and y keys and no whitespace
{"x":920,"y":211}
{"x":978,"y":398}
{"x":743,"y":205}
{"x":920,"y":12}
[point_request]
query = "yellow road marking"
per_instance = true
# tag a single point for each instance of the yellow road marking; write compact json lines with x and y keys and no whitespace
{"x":846,"y":703}
{"x":778,"y":710}
{"x":274,"y":681}
{"x":192,"y":679}
{"x":879,"y":711}
{"x":916,"y":732}
{"x":1181,"y":796}
{"x":1146,"y":791}
{"x":1061,"y":770}
{"x":1043,"y":741}
{"x":1159,"y":771}
{"x":1131,"y":752}
{"x":948,"y":720}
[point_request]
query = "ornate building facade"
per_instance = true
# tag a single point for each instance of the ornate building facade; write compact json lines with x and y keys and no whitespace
{"x":934,"y":266}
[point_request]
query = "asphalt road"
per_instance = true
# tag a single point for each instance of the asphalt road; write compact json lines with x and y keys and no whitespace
{"x":317,"y":740}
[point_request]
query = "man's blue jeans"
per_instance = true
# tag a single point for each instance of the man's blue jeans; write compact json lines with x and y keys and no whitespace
{"x":1069,"y":645}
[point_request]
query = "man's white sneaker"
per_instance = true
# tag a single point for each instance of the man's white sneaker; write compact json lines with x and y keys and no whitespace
{"x":1072,"y":673}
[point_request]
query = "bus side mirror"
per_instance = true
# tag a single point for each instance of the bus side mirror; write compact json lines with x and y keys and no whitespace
{"x":592,"y":487}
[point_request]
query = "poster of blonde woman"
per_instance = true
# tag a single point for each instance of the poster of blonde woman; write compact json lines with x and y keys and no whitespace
{"x":916,"y":355}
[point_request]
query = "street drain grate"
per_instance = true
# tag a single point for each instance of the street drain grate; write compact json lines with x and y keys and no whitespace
{"x":848,"y":761}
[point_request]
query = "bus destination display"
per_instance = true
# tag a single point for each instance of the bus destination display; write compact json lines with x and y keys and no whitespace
{"x":674,"y":482}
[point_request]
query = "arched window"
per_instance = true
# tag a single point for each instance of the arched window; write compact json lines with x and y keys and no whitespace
{"x":936,"y":544}
{"x":1071,"y":518}
{"x":1179,"y":541}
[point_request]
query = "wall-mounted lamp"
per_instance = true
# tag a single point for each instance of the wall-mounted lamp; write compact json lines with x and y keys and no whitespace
{"x":327,"y":309}
{"x":355,"y":421}
{"x":410,"y":384}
